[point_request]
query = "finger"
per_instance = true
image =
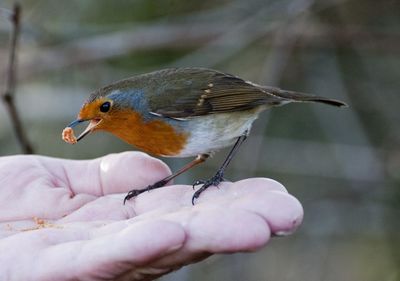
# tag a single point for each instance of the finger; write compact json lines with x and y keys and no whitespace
{"x":177,"y":196}
{"x":265,"y":197}
{"x":282,"y":211}
{"x":262,"y":196}
{"x":111,"y":207}
{"x":218,"y":230}
{"x":114,"y":173}
{"x":208,"y":230}
{"x":110,"y":256}
{"x":104,"y":208}
{"x":221,"y":230}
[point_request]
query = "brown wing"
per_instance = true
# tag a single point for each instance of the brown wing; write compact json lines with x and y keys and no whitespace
{"x":193,"y":92}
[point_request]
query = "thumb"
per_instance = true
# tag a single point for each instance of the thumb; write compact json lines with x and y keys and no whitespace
{"x":114,"y":173}
{"x":130,"y":170}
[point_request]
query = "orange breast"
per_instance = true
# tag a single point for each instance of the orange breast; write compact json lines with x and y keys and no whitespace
{"x":155,"y":137}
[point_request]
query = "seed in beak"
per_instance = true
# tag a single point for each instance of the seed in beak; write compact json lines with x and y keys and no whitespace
{"x":68,"y":133}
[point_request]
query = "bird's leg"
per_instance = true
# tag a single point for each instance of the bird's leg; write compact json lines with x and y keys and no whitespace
{"x":135,"y":192}
{"x":219,"y":176}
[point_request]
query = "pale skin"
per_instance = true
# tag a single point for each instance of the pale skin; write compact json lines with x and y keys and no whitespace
{"x":64,"y":219}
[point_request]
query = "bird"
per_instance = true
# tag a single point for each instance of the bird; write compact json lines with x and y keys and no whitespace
{"x":182,"y":112}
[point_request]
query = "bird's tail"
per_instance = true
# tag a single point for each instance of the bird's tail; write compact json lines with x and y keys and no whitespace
{"x":291,"y":96}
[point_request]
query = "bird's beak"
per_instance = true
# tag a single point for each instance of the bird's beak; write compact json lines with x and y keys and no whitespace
{"x":92,"y":125}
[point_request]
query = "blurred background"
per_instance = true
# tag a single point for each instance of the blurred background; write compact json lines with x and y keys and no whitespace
{"x":342,"y":164}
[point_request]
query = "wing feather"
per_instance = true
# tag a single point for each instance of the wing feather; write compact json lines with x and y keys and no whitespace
{"x":196,"y":92}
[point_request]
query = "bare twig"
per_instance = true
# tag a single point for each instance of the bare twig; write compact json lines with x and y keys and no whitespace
{"x":8,"y":94}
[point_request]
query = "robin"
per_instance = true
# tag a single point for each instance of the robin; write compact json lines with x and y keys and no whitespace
{"x":182,"y":112}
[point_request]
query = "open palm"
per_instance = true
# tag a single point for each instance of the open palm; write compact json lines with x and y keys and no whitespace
{"x":64,"y":219}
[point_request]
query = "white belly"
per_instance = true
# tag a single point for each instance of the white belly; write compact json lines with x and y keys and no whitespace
{"x":213,"y":132}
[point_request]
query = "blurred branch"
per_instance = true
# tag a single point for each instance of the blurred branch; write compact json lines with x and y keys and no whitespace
{"x":106,"y":46}
{"x":235,"y":38}
{"x":8,"y":94}
{"x":181,"y":36}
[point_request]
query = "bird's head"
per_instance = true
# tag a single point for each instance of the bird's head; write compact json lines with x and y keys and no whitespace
{"x":115,"y":108}
{"x":101,"y":113}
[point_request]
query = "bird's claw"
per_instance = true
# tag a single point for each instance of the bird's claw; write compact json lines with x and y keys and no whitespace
{"x":136,"y":192}
{"x":133,"y":193}
{"x":195,"y":196}
{"x":214,"y":181}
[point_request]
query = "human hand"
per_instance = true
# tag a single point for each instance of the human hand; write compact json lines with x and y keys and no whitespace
{"x":84,"y":232}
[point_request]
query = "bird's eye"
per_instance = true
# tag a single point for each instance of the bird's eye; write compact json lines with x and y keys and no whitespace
{"x":105,"y":107}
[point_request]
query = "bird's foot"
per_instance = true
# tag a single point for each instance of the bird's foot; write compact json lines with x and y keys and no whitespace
{"x":136,"y":192}
{"x":214,"y":181}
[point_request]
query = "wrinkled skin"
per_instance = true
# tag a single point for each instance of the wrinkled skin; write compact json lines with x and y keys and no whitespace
{"x":84,"y":232}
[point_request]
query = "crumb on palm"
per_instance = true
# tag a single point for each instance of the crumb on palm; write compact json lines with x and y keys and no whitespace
{"x":38,"y":221}
{"x":41,"y":223}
